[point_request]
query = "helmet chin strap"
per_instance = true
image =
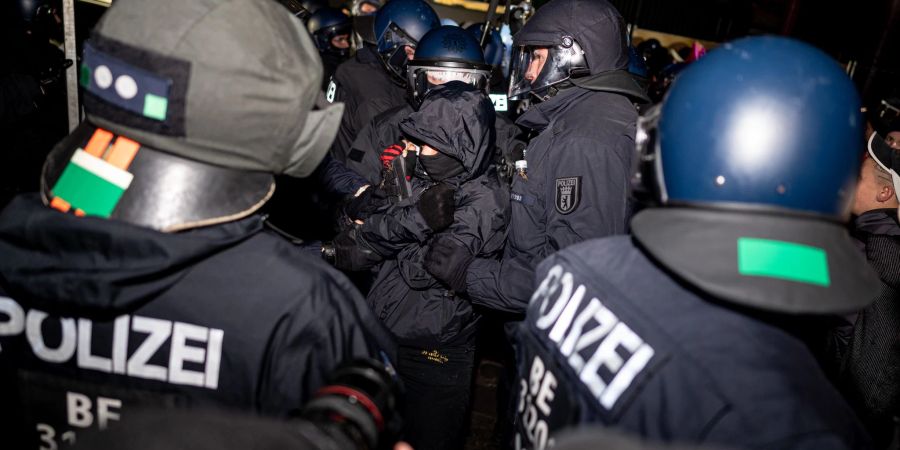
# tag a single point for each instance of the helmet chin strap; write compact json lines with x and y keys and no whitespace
{"x":552,"y":90}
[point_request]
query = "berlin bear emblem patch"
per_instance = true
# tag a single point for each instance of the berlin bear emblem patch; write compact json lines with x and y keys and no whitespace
{"x":568,"y":194}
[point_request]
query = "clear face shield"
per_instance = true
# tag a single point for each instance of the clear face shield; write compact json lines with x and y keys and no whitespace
{"x":533,"y":69}
{"x":647,"y":184}
{"x":422,"y":79}
{"x":391,"y":48}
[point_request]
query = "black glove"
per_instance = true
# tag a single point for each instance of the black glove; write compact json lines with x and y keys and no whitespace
{"x":449,"y":261}
{"x":346,"y":252}
{"x":437,"y":205}
{"x":363,"y":205}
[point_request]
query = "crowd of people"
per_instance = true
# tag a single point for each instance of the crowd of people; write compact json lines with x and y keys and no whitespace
{"x":699,"y":249}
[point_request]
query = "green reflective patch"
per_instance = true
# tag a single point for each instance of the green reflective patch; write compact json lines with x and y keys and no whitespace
{"x":84,"y":77}
{"x":155,"y":106}
{"x":784,"y":260}
{"x":92,"y":185}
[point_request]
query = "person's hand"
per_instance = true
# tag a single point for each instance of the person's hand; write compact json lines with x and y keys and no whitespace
{"x":437,"y":206}
{"x":346,"y":253}
{"x":388,"y":155}
{"x":448,"y":262}
{"x":365,"y":203}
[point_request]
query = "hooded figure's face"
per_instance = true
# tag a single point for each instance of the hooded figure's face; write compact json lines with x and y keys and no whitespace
{"x":438,"y":166}
{"x":455,"y":129}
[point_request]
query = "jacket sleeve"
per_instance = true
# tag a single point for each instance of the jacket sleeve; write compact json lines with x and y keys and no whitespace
{"x":393,"y":228}
{"x":332,"y":324}
{"x":504,"y":285}
{"x":336,"y":178}
{"x":364,"y":155}
{"x":480,"y":221}
{"x":597,"y":204}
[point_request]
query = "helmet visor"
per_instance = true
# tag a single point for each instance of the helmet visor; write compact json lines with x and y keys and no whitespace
{"x":534,"y":68}
{"x":422,"y":79}
{"x":391,"y":47}
{"x":647,"y":184}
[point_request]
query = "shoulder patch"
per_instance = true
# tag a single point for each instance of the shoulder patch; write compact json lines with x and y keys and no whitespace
{"x":568,"y":194}
{"x":331,"y":91}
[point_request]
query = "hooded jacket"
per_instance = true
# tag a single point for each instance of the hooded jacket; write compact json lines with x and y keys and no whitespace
{"x":579,"y":164}
{"x":228,"y":316}
{"x":459,"y":122}
{"x":384,"y":131}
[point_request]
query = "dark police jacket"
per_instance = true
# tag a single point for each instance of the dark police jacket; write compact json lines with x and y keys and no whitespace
{"x":366,"y":89}
{"x":611,"y":339}
{"x":99,"y":317}
{"x":575,"y":189}
{"x":417,"y":308}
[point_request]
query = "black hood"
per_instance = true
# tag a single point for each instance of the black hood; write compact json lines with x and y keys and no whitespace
{"x":595,"y":25}
{"x":69,"y":264}
{"x":457,"y":120}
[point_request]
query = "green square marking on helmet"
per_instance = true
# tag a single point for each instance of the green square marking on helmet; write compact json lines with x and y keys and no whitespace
{"x":92,"y":184}
{"x":155,"y":106}
{"x":84,"y":76}
{"x":784,"y":260}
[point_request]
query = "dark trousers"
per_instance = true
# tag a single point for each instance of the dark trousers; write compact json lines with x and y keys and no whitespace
{"x":438,"y":385}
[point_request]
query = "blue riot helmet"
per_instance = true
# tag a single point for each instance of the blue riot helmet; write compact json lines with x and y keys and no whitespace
{"x":493,"y":48}
{"x":447,"y":53}
{"x":326,"y":24}
{"x":399,"y":24}
{"x":754,"y":154}
{"x":570,"y":42}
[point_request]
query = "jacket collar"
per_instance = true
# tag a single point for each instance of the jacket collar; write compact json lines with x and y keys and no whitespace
{"x":539,"y":116}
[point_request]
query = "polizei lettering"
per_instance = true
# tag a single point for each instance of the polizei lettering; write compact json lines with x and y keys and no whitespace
{"x":605,"y":353}
{"x":200,"y":347}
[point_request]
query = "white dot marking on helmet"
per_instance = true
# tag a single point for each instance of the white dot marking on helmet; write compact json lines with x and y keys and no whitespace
{"x":126,"y":87}
{"x":103,"y":77}
{"x":720,"y":180}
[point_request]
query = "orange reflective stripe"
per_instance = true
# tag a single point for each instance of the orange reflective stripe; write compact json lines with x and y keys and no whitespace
{"x":79,"y":213}
{"x":99,"y":142}
{"x":123,"y":152}
{"x":60,"y":204}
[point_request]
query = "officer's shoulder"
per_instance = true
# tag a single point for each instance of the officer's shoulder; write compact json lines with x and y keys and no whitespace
{"x":297,"y":269}
{"x":599,"y":115}
{"x":354,"y":70}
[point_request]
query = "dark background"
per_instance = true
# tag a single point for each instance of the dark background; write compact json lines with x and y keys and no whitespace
{"x":866,"y":32}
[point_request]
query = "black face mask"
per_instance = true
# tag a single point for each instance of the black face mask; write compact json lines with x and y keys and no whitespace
{"x":440,"y":166}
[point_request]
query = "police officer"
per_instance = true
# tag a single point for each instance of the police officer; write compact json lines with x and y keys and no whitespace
{"x":444,"y":54}
{"x":330,"y":29}
{"x":374,"y":80}
{"x":688,"y":331}
{"x":141,"y":275}
{"x":571,"y":186}
{"x":864,"y":346}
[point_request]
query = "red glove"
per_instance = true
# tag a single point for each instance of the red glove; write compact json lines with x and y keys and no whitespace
{"x":388,"y":155}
